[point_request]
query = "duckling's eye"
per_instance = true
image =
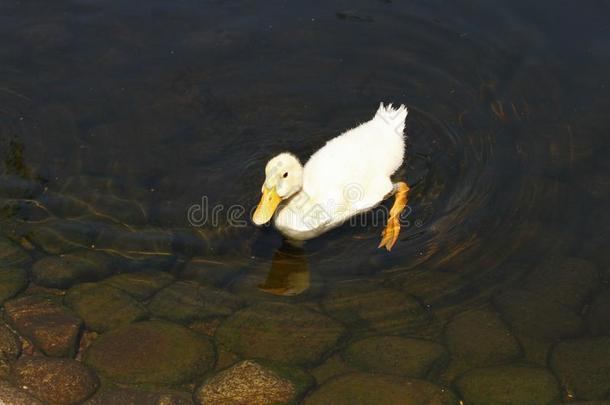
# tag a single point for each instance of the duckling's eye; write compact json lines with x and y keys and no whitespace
{"x":285,"y":175}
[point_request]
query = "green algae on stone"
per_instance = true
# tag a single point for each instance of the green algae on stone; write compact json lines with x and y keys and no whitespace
{"x":151,"y":352}
{"x":332,"y":367}
{"x":72,"y":268}
{"x":56,"y":381}
{"x":42,"y":319}
{"x":140,"y":285}
{"x":185,"y":302}
{"x":583,"y":366}
{"x":12,"y":281}
{"x":280,"y":332}
{"x":12,"y":255}
{"x":10,"y":349}
{"x":478,"y":338}
{"x":369,"y":309}
{"x":508,"y":385}
{"x":406,"y":357}
{"x":373,"y":389}
{"x":250,"y":382}
{"x":103,"y":307}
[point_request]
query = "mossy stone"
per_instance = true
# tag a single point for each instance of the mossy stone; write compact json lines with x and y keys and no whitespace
{"x":478,"y":338}
{"x":12,"y":255}
{"x":60,"y":236}
{"x":151,"y":352}
{"x":12,"y":280}
{"x":10,"y":349}
{"x":185,"y":302}
{"x":280,"y":332}
{"x":396,"y":355}
{"x":69,"y":269}
{"x":373,"y":389}
{"x":583,"y":366}
{"x":140,"y":285}
{"x":370,"y":309}
{"x":508,"y":385}
{"x":103,"y":307}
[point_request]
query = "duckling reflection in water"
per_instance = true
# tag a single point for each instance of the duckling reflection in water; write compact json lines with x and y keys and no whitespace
{"x":347,"y":176}
{"x":289,"y":273}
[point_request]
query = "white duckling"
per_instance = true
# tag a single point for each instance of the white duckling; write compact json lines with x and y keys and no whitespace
{"x":347,"y":176}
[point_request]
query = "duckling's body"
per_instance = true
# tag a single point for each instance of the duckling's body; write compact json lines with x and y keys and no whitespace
{"x":349,"y":175}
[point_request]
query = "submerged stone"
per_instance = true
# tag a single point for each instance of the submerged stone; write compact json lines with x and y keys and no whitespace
{"x":372,"y":309}
{"x":50,"y":326}
{"x":151,"y":352}
{"x":478,"y":338}
{"x":10,"y":349}
{"x":247,"y":382}
{"x":396,"y":355}
{"x":59,"y":236}
{"x":538,"y":316}
{"x":57,"y":381}
{"x":17,"y":187}
{"x":128,"y":396}
{"x":12,"y":255}
{"x":373,"y":389}
{"x":140,"y":285}
{"x":583,"y":366}
{"x":568,"y":281}
{"x":11,"y":395}
{"x":599,"y":314}
{"x":280,"y":332}
{"x":12,"y":281}
{"x":185,"y":302}
{"x":208,"y":272}
{"x":508,"y":385}
{"x":72,"y":268}
{"x":103,"y":307}
{"x":332,"y":367}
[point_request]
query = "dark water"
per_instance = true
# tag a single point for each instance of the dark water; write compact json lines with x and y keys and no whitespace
{"x":128,"y":113}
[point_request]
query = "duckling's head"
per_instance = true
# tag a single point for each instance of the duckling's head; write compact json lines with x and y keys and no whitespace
{"x":283,"y":179}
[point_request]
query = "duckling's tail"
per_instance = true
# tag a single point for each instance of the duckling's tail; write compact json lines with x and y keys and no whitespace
{"x":393,"y":117}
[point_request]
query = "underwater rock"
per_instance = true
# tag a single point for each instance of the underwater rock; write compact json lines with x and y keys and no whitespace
{"x":583,"y":366}
{"x":371,"y":309}
{"x":406,"y":357}
{"x":185,"y":302}
{"x":11,"y":395}
{"x":26,"y":210}
{"x":58,"y":381}
{"x":508,"y":385}
{"x":140,"y":285}
{"x":598,"y":316}
{"x":50,"y":326}
{"x":568,"y":281}
{"x":18,"y":187}
{"x":210,"y":273}
{"x":478,"y":338}
{"x":280,"y":332}
{"x":64,"y":206}
{"x":535,"y":315}
{"x":149,"y":241}
{"x":103,"y":307}
{"x":373,"y":389}
{"x":332,"y":367}
{"x":248,"y":382}
{"x":151,"y":352}
{"x":72,"y":268}
{"x":128,"y":396}
{"x":10,"y":349}
{"x":59,"y":236}
{"x":12,"y":255}
{"x":12,"y":280}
